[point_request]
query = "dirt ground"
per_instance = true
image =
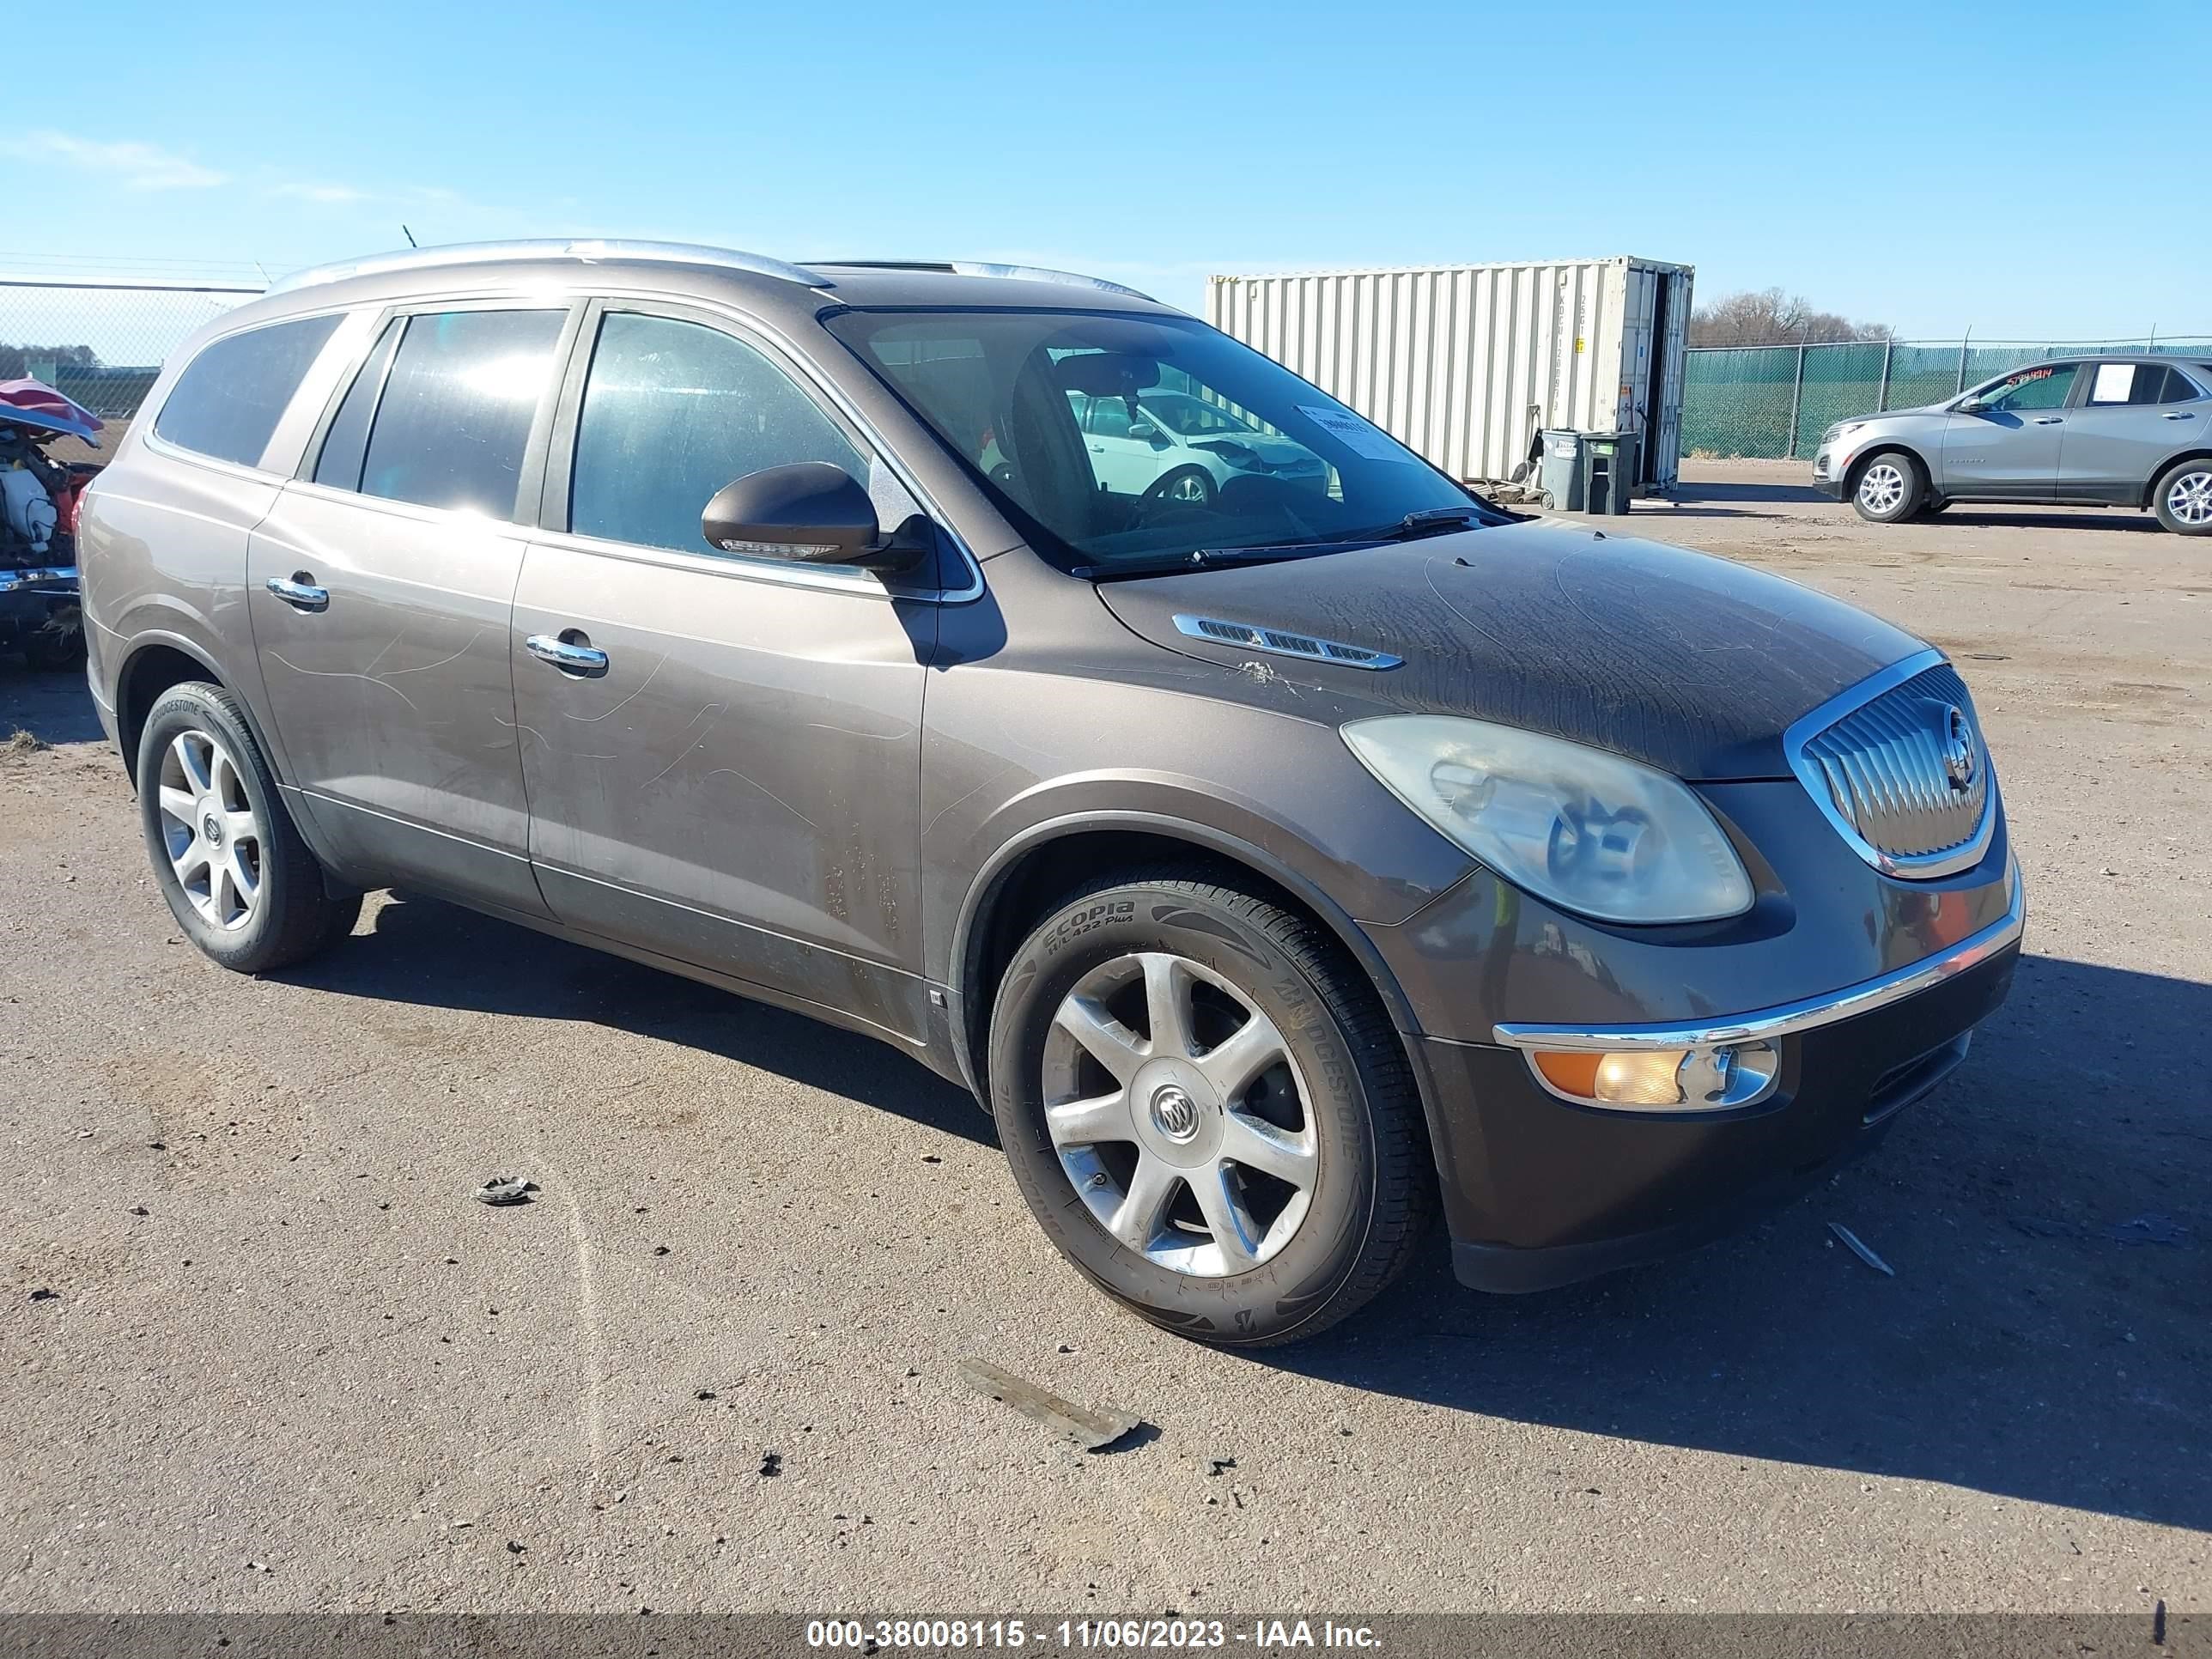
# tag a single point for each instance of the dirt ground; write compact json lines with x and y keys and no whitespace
{"x":286,"y":1362}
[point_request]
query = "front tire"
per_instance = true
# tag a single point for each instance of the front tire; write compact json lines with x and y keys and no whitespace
{"x":1186,"y":486}
{"x":2181,"y":498}
{"x":238,"y":878}
{"x":55,"y":650}
{"x":1890,"y":487}
{"x":1208,"y":1110}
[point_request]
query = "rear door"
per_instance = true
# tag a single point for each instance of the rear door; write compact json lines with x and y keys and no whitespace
{"x":733,"y":779}
{"x":381,"y":585}
{"x":2132,"y":418}
{"x":2009,"y":447}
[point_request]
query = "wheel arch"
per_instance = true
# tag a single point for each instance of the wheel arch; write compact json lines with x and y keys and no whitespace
{"x":1035,"y":867}
{"x":1882,"y":447}
{"x":154,"y":664}
{"x":2194,"y":453}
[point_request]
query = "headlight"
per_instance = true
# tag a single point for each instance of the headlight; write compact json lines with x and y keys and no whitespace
{"x":1588,"y":831}
{"x":1841,"y":429}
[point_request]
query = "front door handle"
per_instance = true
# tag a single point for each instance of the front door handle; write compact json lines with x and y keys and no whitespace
{"x":571,"y":652}
{"x":300,"y":591}
{"x":2050,"y":420}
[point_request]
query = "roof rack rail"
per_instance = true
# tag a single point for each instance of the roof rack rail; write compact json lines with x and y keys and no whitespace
{"x":585,"y":249}
{"x":983,"y":268}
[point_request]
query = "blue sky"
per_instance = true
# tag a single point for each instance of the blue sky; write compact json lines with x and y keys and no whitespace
{"x":2026,"y":171}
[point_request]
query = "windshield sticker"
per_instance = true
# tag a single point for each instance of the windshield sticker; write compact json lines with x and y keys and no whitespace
{"x":1355,"y":434}
{"x":2114,"y":382}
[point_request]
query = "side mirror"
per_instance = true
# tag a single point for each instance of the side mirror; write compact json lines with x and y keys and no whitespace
{"x":809,"y":512}
{"x":1972,"y":406}
{"x":1145,"y":432}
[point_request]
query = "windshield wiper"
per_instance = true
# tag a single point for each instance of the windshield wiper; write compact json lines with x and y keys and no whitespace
{"x":1205,"y":558}
{"x":1425,"y":522}
{"x":1430,"y":519}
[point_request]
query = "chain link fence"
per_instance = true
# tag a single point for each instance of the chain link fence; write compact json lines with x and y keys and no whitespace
{"x":1773,"y":402}
{"x":101,"y":344}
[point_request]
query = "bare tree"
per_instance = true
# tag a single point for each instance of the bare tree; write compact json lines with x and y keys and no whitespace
{"x":1773,"y":318}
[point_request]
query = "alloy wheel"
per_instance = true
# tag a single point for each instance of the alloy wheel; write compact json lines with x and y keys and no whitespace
{"x":1881,"y":489}
{"x":2189,"y":498}
{"x":210,"y":830}
{"x":1178,"y":1114}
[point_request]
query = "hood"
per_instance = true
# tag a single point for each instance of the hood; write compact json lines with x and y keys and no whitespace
{"x":1266,"y":446}
{"x":1942,"y":408}
{"x":1681,"y":660}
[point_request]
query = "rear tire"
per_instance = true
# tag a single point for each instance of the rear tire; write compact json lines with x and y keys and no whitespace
{"x":238,"y":878}
{"x":2181,"y":498}
{"x":1891,"y":487}
{"x":1239,"y":1210}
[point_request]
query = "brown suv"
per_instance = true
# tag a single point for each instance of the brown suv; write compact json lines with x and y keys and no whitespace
{"x":1278,"y":845}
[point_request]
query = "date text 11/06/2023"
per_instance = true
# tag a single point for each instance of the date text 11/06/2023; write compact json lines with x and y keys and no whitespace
{"x":951,"y":1635}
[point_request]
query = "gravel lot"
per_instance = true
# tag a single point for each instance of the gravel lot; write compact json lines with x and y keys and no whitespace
{"x":287,"y":1364}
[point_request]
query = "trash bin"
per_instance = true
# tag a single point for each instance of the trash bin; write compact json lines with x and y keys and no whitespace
{"x":1608,"y":468}
{"x":1561,"y":476}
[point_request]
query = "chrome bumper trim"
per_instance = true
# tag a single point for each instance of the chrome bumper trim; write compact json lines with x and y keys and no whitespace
{"x":14,"y":581}
{"x":1769,"y":1023}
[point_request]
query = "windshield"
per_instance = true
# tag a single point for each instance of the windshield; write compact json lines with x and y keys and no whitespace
{"x":1059,"y":414}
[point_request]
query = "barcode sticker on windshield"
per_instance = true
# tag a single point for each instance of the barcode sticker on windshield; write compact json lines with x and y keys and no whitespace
{"x":1355,"y":434}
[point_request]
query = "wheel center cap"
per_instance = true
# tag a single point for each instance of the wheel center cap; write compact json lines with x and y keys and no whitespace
{"x":1175,"y":1114}
{"x":212,"y":829}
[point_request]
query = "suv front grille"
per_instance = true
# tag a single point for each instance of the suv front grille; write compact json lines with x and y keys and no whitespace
{"x":1906,"y":776}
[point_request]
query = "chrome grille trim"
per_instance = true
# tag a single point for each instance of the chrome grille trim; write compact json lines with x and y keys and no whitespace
{"x":1872,"y":759}
{"x":1281,"y":642}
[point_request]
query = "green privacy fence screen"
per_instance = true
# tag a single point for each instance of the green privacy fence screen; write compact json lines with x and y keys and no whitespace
{"x":1776,"y":401}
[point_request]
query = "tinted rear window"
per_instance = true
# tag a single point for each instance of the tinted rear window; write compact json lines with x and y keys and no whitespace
{"x":229,"y":397}
{"x":454,"y":419}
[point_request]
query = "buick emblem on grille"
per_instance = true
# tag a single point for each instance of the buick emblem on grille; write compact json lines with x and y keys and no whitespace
{"x":1958,"y":750}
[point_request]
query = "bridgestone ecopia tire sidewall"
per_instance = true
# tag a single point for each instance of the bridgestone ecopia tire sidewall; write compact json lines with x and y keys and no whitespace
{"x":1294,"y":1290}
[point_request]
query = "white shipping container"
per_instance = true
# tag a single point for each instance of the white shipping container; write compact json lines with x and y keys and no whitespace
{"x":1468,"y":364}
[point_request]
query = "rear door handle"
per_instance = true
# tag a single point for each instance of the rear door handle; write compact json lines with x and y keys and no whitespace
{"x":571,"y":652}
{"x":2050,"y":420}
{"x":2180,"y":415}
{"x":300,"y":591}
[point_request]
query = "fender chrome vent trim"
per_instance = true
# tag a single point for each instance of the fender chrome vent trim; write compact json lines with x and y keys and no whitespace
{"x":1280,"y":642}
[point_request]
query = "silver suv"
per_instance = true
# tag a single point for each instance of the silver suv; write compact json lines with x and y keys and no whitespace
{"x":1279,"y":862}
{"x":2120,"y":431}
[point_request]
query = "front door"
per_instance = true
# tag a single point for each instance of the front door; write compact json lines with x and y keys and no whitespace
{"x":2008,"y":445}
{"x":381,"y":585}
{"x":729,"y":774}
{"x":2134,"y":417}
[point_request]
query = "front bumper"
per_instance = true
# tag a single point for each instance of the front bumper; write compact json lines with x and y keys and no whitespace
{"x":1542,"y":1191}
